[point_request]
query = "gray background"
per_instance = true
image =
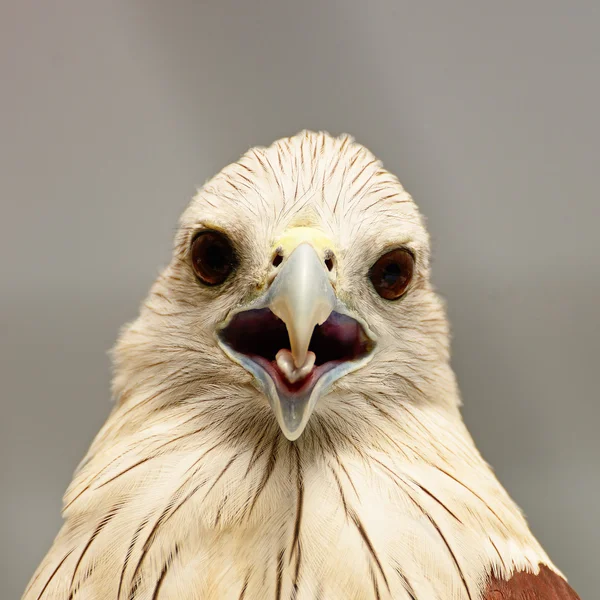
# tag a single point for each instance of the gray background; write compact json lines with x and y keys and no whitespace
{"x":112,"y":112}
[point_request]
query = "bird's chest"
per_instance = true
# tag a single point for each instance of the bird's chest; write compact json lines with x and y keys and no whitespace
{"x":270,"y":524}
{"x":336,"y":530}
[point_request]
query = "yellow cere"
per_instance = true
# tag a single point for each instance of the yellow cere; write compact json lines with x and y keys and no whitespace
{"x":295,"y":236}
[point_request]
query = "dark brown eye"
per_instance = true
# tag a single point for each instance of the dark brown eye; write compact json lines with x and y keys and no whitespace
{"x":213,"y":257}
{"x":392,"y":273}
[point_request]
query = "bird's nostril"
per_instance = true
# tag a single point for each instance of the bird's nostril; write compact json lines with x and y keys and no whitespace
{"x":277,"y":260}
{"x":329,"y":264}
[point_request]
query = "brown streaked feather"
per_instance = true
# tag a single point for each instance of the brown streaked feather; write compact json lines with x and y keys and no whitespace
{"x":103,"y":523}
{"x":405,"y":583}
{"x":136,"y":535}
{"x":419,"y":486}
{"x":452,"y":555}
{"x":268,"y":471}
{"x":257,"y":452}
{"x":295,"y":546}
{"x":53,"y":574}
{"x":279,"y":575}
{"x":163,"y":573}
{"x":466,"y":487}
{"x":223,"y":471}
{"x":244,"y":586}
{"x":369,"y":544}
{"x":82,"y":580}
{"x":374,"y":582}
{"x":155,"y":454}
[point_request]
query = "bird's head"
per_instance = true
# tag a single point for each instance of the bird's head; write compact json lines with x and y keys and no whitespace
{"x":298,"y":289}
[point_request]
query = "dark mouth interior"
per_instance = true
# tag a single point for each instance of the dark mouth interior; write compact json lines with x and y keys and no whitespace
{"x":260,"y":333}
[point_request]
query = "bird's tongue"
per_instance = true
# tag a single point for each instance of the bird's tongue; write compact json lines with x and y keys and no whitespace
{"x":293,"y":374}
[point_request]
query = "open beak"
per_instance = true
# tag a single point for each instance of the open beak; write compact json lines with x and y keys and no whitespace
{"x":297,"y":339}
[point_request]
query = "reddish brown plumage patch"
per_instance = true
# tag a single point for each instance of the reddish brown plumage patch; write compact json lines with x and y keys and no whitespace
{"x":546,"y":585}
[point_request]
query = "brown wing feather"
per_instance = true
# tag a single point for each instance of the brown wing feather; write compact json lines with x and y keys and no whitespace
{"x":546,"y":585}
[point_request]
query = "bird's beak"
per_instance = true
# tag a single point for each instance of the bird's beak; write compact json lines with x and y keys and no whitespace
{"x":297,"y":339}
{"x":302,"y":297}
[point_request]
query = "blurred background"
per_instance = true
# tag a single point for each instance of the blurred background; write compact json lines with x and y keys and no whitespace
{"x":112,"y":112}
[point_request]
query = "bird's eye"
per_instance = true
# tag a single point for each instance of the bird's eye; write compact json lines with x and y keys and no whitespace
{"x":392,"y":273}
{"x":213,"y":257}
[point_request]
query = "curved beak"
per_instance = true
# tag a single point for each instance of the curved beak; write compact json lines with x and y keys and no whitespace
{"x":297,"y":339}
{"x":302,"y":297}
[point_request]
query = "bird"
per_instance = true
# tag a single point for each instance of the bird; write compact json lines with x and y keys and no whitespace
{"x":286,"y":422}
